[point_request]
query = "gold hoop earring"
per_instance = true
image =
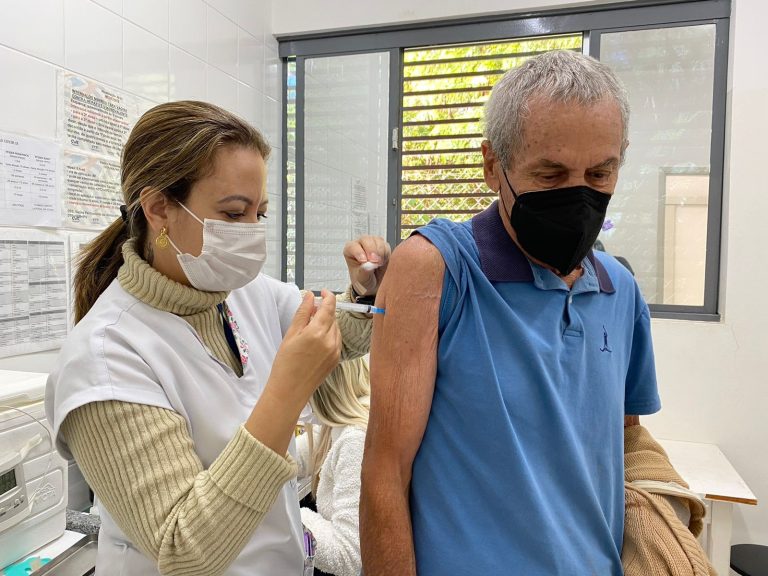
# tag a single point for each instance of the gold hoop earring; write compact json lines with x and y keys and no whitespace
{"x":162,"y":239}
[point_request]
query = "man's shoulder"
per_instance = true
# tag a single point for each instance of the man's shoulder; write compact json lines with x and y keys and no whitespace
{"x":416,"y":254}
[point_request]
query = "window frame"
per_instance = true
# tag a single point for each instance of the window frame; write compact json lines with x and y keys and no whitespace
{"x":593,"y":22}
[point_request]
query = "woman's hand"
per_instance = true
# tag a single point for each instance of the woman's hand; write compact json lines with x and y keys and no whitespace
{"x":365,"y":249}
{"x":308,"y":353}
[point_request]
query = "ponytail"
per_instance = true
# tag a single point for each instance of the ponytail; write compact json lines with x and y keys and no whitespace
{"x":97,"y":266}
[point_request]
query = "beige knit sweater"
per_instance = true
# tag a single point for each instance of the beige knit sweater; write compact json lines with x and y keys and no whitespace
{"x":141,"y":462}
{"x":656,"y":542}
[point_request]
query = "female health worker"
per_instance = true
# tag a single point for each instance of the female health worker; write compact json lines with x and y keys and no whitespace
{"x":179,"y":388}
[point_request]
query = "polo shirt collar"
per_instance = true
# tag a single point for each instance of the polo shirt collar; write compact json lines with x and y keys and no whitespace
{"x":502,"y":260}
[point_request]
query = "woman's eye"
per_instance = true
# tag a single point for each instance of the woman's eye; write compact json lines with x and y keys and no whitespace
{"x":234,"y":215}
{"x":261,"y":216}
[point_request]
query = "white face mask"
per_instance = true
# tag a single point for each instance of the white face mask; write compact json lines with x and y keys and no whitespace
{"x":233,"y":254}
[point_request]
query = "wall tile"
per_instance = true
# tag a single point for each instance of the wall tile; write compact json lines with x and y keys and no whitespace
{"x":145,"y":64}
{"x":272,"y":121}
{"x":250,"y":59}
{"x":273,"y":74}
{"x":186,"y":79}
{"x":266,"y":23}
{"x":187,"y":26}
{"x":249,"y":104}
{"x":115,"y":5}
{"x":151,"y":15}
{"x":35,"y":28}
{"x":222,"y":42}
{"x":228,"y":8}
{"x":34,"y":89}
{"x":248,"y":14}
{"x":93,"y":41}
{"x":221,"y":89}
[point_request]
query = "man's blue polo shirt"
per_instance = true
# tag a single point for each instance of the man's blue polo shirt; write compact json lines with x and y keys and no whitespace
{"x":520,"y":470}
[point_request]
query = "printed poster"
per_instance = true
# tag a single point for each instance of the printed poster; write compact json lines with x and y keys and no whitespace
{"x":93,"y":117}
{"x":29,"y":194}
{"x":33,"y":291}
{"x":92,"y":185}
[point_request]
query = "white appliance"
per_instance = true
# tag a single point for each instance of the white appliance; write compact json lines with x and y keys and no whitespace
{"x":33,"y":477}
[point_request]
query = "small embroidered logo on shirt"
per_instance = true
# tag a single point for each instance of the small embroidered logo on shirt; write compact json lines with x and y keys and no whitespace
{"x":605,"y":347}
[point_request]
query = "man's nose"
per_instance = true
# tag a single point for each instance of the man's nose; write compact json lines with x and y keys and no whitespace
{"x":575,"y":179}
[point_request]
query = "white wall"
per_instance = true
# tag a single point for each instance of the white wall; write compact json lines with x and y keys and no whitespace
{"x":297,"y":16}
{"x":222,"y":51}
{"x":713,"y":377}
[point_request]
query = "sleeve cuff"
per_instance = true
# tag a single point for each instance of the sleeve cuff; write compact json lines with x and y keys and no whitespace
{"x":642,"y":408}
{"x":250,"y":473}
{"x":349,"y":296}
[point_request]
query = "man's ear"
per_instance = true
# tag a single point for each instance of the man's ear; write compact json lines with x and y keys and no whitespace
{"x":155,"y":207}
{"x":489,"y":160}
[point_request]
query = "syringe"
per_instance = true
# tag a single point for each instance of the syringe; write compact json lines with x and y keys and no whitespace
{"x":354,"y":307}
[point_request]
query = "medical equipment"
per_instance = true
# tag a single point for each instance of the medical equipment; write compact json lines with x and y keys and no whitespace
{"x":353,"y":307}
{"x":33,"y":477}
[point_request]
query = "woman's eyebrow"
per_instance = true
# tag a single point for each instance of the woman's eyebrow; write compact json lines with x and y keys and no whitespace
{"x":237,"y":197}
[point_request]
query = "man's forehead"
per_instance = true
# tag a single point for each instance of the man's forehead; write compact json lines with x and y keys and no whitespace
{"x":554,"y":115}
{"x":608,"y":162}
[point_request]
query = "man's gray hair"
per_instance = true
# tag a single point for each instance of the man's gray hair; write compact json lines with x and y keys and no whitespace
{"x":560,"y":76}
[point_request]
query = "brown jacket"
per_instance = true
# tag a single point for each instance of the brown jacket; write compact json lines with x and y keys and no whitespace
{"x":656,"y":543}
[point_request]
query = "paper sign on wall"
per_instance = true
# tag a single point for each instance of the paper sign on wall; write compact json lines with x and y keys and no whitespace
{"x":33,"y":291}
{"x":28,"y":181}
{"x":359,"y":213}
{"x":92,"y":185}
{"x":93,"y":117}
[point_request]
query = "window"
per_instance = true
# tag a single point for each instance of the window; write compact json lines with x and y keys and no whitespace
{"x":658,"y":217}
{"x":414,"y":153}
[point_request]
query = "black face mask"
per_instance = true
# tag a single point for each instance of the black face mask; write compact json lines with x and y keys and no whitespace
{"x":559,"y":226}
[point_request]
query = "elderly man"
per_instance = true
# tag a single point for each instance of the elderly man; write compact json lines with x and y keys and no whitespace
{"x":512,"y":356}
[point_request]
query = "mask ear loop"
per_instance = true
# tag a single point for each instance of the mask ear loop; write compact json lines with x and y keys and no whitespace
{"x":193,"y":216}
{"x":501,"y":196}
{"x":190,"y":212}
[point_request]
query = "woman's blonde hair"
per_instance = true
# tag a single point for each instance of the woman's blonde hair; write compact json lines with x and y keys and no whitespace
{"x":171,"y":147}
{"x":343,"y":399}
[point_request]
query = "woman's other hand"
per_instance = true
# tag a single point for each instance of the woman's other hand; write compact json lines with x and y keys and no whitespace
{"x":360,"y":255}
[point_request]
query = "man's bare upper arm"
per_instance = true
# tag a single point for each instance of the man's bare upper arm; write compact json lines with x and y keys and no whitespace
{"x":404,"y":353}
{"x":631,"y":420}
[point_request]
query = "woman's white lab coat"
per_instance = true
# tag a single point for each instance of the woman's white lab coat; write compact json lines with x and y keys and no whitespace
{"x":126,"y":350}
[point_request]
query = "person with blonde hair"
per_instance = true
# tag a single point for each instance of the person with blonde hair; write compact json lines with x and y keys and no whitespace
{"x":333,"y":456}
{"x":179,"y":388}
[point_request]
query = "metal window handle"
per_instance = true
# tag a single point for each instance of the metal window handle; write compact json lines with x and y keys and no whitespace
{"x":395,"y":139}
